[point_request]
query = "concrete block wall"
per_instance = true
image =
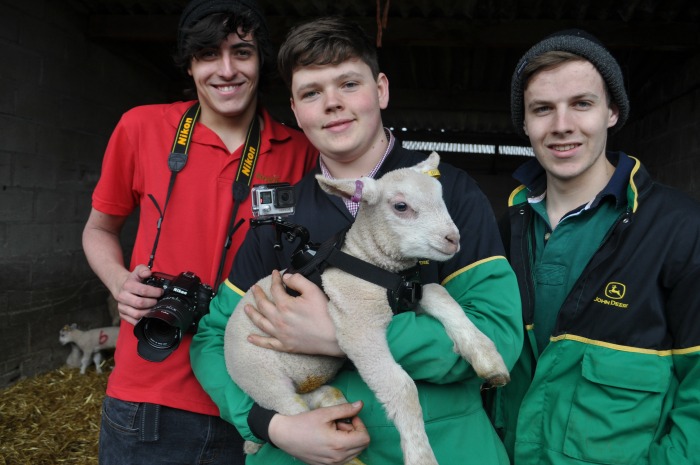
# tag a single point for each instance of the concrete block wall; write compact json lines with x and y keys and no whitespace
{"x":664,"y":130}
{"x":60,"y":97}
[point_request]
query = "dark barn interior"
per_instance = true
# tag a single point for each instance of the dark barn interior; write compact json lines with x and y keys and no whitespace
{"x":449,"y":62}
{"x":72,"y":67}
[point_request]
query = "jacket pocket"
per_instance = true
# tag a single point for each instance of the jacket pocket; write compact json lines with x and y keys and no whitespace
{"x":616,"y":406}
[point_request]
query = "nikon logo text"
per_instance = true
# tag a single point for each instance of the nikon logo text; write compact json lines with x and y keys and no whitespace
{"x":248,"y":162}
{"x":184,"y":132}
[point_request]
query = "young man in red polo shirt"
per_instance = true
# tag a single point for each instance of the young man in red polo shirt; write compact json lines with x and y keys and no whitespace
{"x":155,"y":410}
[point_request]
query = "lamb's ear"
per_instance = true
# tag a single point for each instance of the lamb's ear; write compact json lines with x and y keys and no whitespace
{"x":429,"y":165}
{"x":351,"y":189}
{"x":74,"y":326}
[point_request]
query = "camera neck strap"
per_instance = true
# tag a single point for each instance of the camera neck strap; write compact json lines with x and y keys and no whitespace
{"x":176,"y":162}
{"x":241,"y":185}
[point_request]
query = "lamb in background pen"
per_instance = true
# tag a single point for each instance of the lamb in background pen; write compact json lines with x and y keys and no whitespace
{"x":90,"y":343}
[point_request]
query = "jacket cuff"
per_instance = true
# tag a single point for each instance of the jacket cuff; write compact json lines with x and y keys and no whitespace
{"x":259,"y":422}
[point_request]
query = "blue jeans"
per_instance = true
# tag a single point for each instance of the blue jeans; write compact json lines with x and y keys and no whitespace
{"x":137,"y":433}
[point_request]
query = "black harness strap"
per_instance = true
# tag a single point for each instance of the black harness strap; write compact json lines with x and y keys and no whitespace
{"x":404,"y":289}
{"x":312,"y":262}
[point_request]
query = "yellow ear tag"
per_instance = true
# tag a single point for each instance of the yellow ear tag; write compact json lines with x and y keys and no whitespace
{"x":434,"y":173}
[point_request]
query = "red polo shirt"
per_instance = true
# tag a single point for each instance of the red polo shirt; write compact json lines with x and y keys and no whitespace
{"x":193,"y":230}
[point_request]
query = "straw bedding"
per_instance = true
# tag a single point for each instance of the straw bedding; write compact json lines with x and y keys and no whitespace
{"x":53,"y":418}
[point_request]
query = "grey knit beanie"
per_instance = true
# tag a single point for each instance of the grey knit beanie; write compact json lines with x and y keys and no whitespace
{"x":198,"y":9}
{"x":585,"y":45}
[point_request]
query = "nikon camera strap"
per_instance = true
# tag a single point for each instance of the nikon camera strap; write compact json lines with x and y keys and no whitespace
{"x":241,"y":185}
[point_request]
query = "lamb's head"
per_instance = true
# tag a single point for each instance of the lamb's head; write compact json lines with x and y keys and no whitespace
{"x":65,"y":335}
{"x":402,"y":213}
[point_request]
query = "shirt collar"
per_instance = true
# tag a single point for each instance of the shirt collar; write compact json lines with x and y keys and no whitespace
{"x":532,"y":175}
{"x":617,"y":185}
{"x":354,"y":206}
{"x":390,"y":137}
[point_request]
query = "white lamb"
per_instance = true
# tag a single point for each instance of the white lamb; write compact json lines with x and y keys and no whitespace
{"x":402,"y":218}
{"x":90,"y":343}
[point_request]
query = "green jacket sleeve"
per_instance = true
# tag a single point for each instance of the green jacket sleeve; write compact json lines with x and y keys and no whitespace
{"x":479,"y":278}
{"x":488,"y":293}
{"x":209,"y":365}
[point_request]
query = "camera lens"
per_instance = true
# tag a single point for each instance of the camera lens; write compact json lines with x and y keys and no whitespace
{"x":160,"y":331}
{"x":284,"y":197}
{"x":160,"y":334}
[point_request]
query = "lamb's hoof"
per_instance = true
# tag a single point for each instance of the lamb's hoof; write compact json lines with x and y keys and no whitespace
{"x":355,"y":461}
{"x":496,"y":381}
{"x":250,"y":447}
{"x":490,"y":367}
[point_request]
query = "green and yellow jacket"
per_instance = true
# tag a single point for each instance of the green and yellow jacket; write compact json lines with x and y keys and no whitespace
{"x":619,"y":382}
{"x":480,"y":279}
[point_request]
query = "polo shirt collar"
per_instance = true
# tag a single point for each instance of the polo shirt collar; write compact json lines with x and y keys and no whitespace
{"x":532,"y":175}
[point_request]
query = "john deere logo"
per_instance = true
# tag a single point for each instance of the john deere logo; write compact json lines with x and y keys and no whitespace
{"x":615,"y":291}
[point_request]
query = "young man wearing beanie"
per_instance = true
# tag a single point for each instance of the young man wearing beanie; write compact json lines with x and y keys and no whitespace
{"x":608,"y":264}
{"x":155,"y":411}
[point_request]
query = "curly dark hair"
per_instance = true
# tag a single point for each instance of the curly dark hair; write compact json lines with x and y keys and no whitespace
{"x":211,"y":30}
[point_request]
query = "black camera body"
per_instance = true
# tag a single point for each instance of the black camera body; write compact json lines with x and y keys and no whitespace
{"x":184,"y":301}
{"x":276,"y":199}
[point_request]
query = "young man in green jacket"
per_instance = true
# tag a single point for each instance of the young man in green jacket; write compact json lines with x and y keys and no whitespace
{"x":337,"y":94}
{"x":608,"y":264}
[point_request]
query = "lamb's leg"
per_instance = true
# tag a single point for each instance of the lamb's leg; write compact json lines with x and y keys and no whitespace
{"x":369,"y":351}
{"x":328,"y":396}
{"x":281,"y":397}
{"x":325,"y":396}
{"x":84,"y":362}
{"x":97,"y":359}
{"x":73,"y":360}
{"x":469,"y":341}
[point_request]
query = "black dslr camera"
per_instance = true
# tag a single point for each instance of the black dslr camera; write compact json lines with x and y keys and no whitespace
{"x":184,"y":301}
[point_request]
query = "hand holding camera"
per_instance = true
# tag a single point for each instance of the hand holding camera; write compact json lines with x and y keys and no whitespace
{"x":185,"y":297}
{"x":184,"y":301}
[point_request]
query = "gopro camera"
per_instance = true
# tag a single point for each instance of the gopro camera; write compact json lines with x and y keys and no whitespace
{"x":270,"y":200}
